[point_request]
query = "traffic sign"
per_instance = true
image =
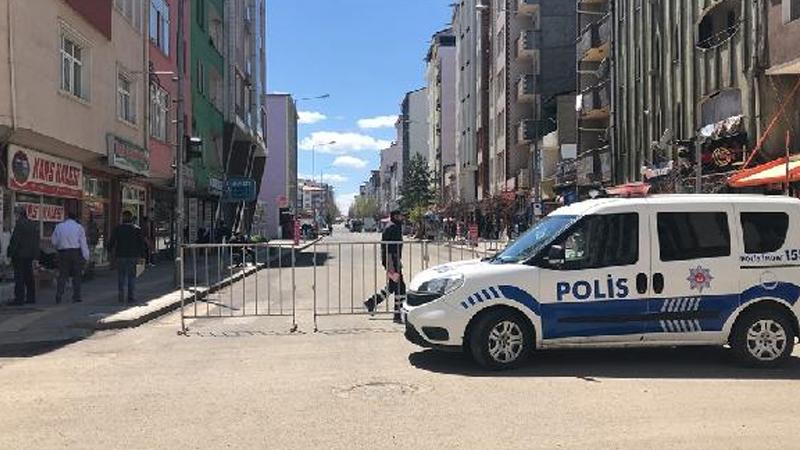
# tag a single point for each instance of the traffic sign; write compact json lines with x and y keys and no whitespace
{"x":239,"y":189}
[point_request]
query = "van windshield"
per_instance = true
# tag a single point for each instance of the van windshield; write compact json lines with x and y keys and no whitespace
{"x":534,"y":239}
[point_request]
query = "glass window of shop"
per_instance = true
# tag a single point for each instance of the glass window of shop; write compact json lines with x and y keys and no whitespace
{"x":95,"y":216}
{"x":134,"y":199}
{"x":47,"y":211}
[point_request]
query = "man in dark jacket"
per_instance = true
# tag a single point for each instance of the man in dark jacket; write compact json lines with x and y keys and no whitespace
{"x":392,"y":260}
{"x":23,"y":249}
{"x":127,"y":244}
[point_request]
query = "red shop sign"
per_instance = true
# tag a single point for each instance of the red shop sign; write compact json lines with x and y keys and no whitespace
{"x":31,"y":171}
{"x":49,"y":213}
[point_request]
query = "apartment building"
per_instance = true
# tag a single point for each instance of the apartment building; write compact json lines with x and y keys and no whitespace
{"x":72,"y":120}
{"x":441,"y":81}
{"x":466,"y":29}
{"x":279,"y":188}
{"x":415,"y":129}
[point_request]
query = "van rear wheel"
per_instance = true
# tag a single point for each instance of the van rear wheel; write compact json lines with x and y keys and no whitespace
{"x":501,"y":340}
{"x":762,"y":338}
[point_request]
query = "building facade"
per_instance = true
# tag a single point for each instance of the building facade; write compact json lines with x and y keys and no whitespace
{"x":415,"y":129}
{"x":73,"y":127}
{"x":279,"y":188}
{"x":466,"y":29}
{"x":441,"y":79}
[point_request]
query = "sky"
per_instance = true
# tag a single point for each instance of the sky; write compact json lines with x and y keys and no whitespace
{"x":365,"y":54}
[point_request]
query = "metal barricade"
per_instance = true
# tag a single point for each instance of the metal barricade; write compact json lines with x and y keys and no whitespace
{"x":237,"y":280}
{"x":350,"y":273}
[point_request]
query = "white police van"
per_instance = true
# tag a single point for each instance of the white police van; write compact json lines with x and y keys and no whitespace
{"x":663,"y":270}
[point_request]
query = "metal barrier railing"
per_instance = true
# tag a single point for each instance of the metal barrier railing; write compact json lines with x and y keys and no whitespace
{"x":236,"y":280}
{"x":335,"y":278}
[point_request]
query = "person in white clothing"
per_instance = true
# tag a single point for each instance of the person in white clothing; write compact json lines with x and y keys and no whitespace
{"x":69,"y":238}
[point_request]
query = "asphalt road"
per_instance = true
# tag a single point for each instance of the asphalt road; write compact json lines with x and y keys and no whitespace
{"x":247,"y":382}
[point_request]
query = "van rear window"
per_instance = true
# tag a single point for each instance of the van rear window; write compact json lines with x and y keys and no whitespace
{"x":692,"y":235}
{"x":764,"y":232}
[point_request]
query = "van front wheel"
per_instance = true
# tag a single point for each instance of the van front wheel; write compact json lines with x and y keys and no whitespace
{"x":762,"y":338}
{"x":501,"y":340}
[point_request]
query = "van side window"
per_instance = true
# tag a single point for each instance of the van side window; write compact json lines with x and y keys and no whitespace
{"x":691,"y":235}
{"x":764,"y":232}
{"x":602,"y":241}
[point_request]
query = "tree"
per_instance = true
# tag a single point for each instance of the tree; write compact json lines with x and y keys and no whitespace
{"x":365,"y":207}
{"x":417,"y":190}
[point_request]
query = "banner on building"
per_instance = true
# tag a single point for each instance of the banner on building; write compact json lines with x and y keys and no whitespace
{"x":127,"y":156}
{"x":39,"y":173}
{"x":45,"y":212}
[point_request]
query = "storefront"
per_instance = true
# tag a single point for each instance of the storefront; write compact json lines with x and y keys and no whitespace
{"x":46,"y":186}
{"x":97,"y":215}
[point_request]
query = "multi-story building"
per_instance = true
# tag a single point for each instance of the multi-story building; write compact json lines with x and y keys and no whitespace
{"x":523,"y":89}
{"x":441,"y":79}
{"x":206,"y":69}
{"x":244,"y":149}
{"x":483,"y":98}
{"x":415,"y":130}
{"x":663,"y":81}
{"x":391,"y":176}
{"x":161,"y":111}
{"x":72,"y":125}
{"x":466,"y":28}
{"x":279,"y":186}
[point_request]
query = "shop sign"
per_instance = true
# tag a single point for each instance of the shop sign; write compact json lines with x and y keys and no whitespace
{"x":283,"y":201}
{"x":127,"y":156}
{"x":215,"y":186}
{"x":47,"y":213}
{"x":655,"y":171}
{"x":240,"y":189}
{"x":31,"y":171}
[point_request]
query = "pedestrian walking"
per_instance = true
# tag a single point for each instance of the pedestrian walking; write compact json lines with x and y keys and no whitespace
{"x":392,"y":260}
{"x":23,"y":248}
{"x":128,"y":245}
{"x":69,"y":238}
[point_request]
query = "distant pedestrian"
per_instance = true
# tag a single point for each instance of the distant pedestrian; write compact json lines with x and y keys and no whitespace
{"x":69,"y":238}
{"x":128,"y":245}
{"x":23,"y":249}
{"x":392,"y":260}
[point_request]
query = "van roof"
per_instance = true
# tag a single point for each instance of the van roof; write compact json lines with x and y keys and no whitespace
{"x":589,"y":206}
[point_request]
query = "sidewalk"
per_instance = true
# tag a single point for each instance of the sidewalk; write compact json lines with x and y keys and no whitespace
{"x":30,"y":329}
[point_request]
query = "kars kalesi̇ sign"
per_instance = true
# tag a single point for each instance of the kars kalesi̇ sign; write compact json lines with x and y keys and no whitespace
{"x":38,"y":173}
{"x":126,"y":156}
{"x":48,"y":213}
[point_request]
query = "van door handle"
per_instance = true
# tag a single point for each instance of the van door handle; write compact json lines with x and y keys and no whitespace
{"x":658,"y":283}
{"x":641,"y":283}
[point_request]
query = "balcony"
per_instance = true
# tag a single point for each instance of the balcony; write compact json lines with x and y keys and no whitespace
{"x":527,"y":44}
{"x":594,"y":43}
{"x":526,"y":88}
{"x":596,"y":102}
{"x":527,"y":131}
{"x":527,"y":7}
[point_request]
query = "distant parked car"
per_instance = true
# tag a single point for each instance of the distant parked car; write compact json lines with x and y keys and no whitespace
{"x":370,"y":225}
{"x":356,"y":226}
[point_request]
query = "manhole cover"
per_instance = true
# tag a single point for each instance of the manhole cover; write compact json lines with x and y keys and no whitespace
{"x":377,"y":390}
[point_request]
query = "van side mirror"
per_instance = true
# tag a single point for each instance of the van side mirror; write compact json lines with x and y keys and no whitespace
{"x":555,"y":255}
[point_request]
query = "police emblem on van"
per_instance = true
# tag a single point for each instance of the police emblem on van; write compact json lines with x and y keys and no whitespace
{"x":699,"y":278}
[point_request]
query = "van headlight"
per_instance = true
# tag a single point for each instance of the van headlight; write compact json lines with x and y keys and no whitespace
{"x":442,"y":285}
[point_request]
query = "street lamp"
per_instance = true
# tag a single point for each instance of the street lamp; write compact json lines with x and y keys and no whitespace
{"x":314,"y":157}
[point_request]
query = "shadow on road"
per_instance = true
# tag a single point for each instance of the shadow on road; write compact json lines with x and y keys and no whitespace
{"x":687,"y":362}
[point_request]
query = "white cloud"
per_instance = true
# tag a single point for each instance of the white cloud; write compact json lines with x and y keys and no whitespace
{"x":351,"y":162}
{"x":342,"y":142}
{"x":377,"y":122}
{"x":309,"y":117}
{"x":331,"y":178}
{"x":345,"y":200}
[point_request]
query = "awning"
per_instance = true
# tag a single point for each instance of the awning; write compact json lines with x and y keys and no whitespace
{"x":769,"y":173}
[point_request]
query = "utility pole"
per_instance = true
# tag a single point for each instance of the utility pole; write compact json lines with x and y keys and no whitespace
{"x":180,"y":149}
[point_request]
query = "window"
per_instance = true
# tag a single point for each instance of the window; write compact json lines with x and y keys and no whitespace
{"x":683,"y":236}
{"x":215,"y":89}
{"x":159,"y":112}
{"x":201,"y":13}
{"x":602,"y":241}
{"x":791,"y":10}
{"x":159,"y":25}
{"x":201,"y":77}
{"x":72,"y":67}
{"x":764,"y":232}
{"x":131,"y":10}
{"x":126,"y":100}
